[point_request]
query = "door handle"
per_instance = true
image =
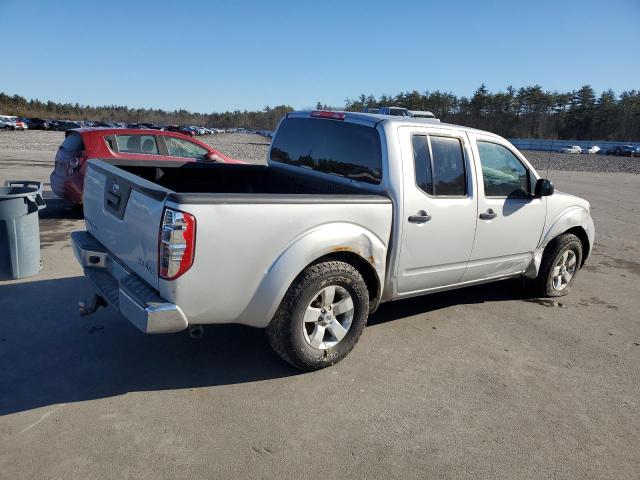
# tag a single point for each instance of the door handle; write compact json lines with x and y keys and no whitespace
{"x":488,"y":215}
{"x":421,"y":217}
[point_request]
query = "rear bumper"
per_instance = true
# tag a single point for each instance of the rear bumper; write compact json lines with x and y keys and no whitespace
{"x":124,"y":290}
{"x":69,"y":188}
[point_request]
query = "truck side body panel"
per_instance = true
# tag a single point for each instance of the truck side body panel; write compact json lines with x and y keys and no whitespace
{"x":245,"y":261}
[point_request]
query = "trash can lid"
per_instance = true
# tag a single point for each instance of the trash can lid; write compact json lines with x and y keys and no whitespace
{"x":19,"y":188}
{"x":14,"y":192}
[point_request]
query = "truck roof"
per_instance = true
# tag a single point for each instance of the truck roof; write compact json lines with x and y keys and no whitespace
{"x":374,"y":118}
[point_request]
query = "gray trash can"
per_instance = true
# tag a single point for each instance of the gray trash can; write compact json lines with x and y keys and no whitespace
{"x":20,"y":202}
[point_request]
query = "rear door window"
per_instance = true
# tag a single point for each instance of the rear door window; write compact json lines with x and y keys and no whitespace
{"x":448,"y":166}
{"x":179,"y":147}
{"x":145,"y":144}
{"x":73,"y":143}
{"x":439,"y":165}
{"x":330,"y":146}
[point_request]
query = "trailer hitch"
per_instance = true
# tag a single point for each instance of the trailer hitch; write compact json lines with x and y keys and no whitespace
{"x":86,"y":308}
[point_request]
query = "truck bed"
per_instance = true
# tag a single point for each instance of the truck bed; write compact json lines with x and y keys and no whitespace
{"x":246,"y":216}
{"x":207,"y":178}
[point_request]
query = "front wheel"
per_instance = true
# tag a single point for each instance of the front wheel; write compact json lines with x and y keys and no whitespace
{"x":560,"y":264}
{"x":321,"y":316}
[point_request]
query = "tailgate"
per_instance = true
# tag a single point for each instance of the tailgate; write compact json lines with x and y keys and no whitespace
{"x":123,"y":212}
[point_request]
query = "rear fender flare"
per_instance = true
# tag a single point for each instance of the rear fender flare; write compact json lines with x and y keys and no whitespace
{"x":317,"y":243}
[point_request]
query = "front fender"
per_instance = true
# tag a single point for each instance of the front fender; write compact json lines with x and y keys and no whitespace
{"x":574,"y":216}
{"x":321,"y":241}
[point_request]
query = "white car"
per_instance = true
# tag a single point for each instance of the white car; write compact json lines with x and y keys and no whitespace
{"x":591,"y":150}
{"x":9,"y":122}
{"x":5,"y":124}
{"x":571,"y":149}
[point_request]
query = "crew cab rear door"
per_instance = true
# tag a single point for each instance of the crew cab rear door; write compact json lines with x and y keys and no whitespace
{"x":439,"y":208}
{"x":510,"y":217}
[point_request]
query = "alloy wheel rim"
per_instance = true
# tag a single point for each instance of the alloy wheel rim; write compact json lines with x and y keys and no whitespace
{"x":328,"y":317}
{"x":564,"y":270}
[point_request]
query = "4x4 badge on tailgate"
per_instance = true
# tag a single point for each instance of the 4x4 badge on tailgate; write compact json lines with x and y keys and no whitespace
{"x":115,"y":187}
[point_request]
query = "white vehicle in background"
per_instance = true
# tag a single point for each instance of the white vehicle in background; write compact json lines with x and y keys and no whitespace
{"x":6,"y":123}
{"x":9,"y":122}
{"x":591,"y":150}
{"x":422,"y":114}
{"x":403,"y":112}
{"x":571,"y":149}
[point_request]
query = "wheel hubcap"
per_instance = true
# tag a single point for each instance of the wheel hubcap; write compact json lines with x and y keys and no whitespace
{"x":564,"y":270}
{"x":328,"y":317}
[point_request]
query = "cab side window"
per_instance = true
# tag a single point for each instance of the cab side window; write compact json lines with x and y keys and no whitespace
{"x":439,"y":165}
{"x":178,"y":147}
{"x":503,"y":174}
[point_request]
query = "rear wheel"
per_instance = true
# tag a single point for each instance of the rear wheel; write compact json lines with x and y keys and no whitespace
{"x":560,"y":264}
{"x":321,"y":316}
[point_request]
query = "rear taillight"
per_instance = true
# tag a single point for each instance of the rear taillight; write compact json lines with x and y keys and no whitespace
{"x":75,"y":163}
{"x":177,"y":243}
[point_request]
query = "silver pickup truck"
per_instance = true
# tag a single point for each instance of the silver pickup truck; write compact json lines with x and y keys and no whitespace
{"x":351,"y":210}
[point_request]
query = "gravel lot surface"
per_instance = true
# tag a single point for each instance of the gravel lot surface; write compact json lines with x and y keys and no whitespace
{"x":252,"y":148}
{"x":34,"y":140}
{"x":476,"y":383}
{"x":582,"y":163}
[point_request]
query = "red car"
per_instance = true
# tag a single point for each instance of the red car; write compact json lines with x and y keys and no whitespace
{"x":67,"y":178}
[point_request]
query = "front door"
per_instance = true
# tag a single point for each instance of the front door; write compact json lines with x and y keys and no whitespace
{"x":439,"y":209}
{"x":510,"y":218}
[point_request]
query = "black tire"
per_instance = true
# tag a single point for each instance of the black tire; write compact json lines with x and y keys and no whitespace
{"x":543,"y":285}
{"x":285,"y":332}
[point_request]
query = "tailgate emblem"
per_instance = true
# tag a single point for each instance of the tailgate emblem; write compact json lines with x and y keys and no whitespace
{"x":115,"y":187}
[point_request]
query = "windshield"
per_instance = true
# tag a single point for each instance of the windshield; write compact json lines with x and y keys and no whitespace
{"x":330,"y":146}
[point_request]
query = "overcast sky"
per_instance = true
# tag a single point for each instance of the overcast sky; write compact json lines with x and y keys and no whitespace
{"x":212,"y":56}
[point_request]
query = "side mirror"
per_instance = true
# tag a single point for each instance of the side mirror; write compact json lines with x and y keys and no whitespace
{"x":544,"y":188}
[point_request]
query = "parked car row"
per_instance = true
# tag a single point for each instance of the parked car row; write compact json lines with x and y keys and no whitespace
{"x":618,"y":150}
{"x":577,"y":149}
{"x":8,"y":122}
{"x":192,"y":130}
{"x":624,"y":151}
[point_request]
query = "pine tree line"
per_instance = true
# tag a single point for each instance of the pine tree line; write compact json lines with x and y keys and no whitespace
{"x":529,"y":112}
